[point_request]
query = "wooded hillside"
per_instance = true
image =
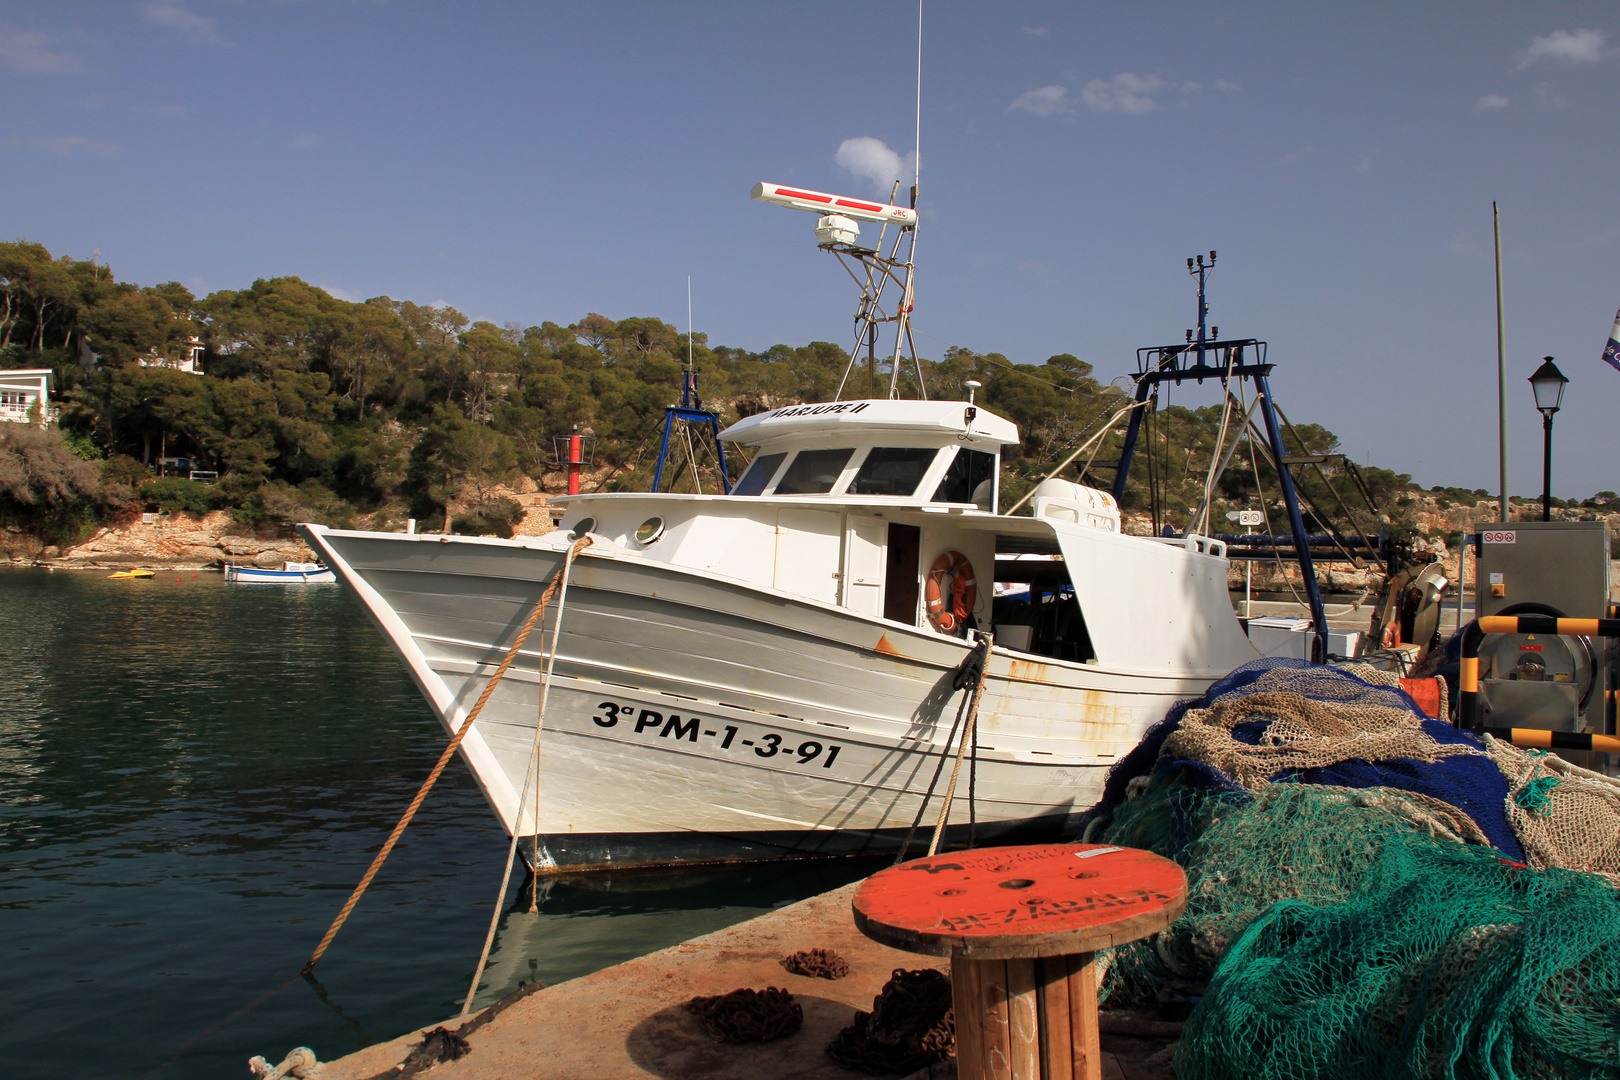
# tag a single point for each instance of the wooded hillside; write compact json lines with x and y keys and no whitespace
{"x":314,"y":408}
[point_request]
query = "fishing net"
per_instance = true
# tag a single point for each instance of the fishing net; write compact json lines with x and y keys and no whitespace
{"x":1371,"y":893}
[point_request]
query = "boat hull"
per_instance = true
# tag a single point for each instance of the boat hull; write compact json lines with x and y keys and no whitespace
{"x":695,"y":719}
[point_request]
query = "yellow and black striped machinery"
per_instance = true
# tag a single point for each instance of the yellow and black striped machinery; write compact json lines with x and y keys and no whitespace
{"x":1535,"y":677}
{"x":1468,"y":695}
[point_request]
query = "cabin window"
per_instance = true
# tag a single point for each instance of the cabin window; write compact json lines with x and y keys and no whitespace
{"x":758,"y":475}
{"x":970,"y":479}
{"x":892,"y":470}
{"x":814,"y":472}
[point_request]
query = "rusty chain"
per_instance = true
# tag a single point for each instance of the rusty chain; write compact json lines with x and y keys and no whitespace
{"x":911,"y":1025}
{"x":747,"y":1016}
{"x":818,"y":964}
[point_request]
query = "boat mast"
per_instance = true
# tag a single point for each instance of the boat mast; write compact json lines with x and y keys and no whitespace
{"x":690,"y":411}
{"x":1245,"y":359}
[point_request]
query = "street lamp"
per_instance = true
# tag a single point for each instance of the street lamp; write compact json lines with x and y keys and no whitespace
{"x":1548,"y":384}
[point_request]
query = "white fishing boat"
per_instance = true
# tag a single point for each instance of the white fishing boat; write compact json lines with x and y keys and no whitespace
{"x":756,"y":674}
{"x":769,"y":672}
{"x":293,"y":572}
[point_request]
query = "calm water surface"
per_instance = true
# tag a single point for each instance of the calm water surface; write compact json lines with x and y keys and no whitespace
{"x":192,"y":778}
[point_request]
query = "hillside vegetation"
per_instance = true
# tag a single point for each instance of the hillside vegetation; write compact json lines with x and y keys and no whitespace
{"x":315,"y":408}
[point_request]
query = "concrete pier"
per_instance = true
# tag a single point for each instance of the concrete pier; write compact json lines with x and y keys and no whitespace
{"x":629,"y":1021}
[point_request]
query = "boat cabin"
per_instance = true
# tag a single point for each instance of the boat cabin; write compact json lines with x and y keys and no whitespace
{"x":856,"y":503}
{"x":918,"y":451}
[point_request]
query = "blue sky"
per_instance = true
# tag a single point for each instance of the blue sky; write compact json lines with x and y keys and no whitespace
{"x":527,"y":162}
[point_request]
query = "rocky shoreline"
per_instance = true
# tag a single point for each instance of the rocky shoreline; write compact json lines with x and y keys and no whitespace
{"x":211,"y":541}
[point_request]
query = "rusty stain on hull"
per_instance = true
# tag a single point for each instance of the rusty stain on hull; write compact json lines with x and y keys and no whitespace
{"x":886,"y":648}
{"x":1028,"y":671}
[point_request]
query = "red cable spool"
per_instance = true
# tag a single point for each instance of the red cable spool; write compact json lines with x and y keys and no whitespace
{"x":1020,"y":925}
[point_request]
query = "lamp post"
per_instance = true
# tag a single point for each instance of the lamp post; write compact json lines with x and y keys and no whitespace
{"x":1548,"y":385}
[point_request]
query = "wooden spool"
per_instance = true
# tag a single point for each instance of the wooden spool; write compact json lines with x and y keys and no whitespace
{"x":1021,"y":925}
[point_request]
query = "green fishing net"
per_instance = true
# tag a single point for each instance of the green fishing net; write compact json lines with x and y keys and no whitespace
{"x":1341,"y":932}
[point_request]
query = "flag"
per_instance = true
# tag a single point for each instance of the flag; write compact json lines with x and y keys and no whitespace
{"x":1611,"y":352}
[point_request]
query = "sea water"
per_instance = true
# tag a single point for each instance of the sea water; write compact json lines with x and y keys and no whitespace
{"x":193,"y":776}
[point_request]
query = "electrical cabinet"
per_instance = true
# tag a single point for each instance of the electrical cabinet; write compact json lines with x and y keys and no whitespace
{"x":1556,"y":568}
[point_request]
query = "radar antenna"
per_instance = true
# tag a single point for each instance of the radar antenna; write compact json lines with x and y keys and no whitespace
{"x":838,"y":230}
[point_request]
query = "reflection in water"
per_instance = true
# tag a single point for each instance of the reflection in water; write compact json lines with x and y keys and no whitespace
{"x":192,"y":778}
{"x":586,"y":923}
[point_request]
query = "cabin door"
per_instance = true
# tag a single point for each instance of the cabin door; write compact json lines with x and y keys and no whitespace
{"x":863,"y":565}
{"x":900,"y":577}
{"x":808,"y":545}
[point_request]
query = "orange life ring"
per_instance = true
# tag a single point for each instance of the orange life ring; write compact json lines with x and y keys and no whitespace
{"x":964,"y":591}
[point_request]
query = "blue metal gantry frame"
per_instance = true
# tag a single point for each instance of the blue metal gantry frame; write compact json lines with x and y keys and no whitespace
{"x":1245,"y":359}
{"x":691,"y":411}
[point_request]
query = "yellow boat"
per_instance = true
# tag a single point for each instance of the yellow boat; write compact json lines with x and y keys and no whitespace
{"x":131,"y":574}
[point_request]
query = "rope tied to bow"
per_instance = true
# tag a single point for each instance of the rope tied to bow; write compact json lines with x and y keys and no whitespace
{"x":444,"y":759}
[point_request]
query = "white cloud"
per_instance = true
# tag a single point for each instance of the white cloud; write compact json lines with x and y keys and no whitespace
{"x":1364,"y":164}
{"x":26,"y":51}
{"x":304,"y":140}
{"x":1047,"y":101}
{"x":1490,"y":102}
{"x":1543,"y":93}
{"x":871,"y":160}
{"x":340,"y":294}
{"x":1126,"y":93}
{"x":1580,"y":47}
{"x":64,"y":144}
{"x":1294,"y":157}
{"x":1035,"y":31}
{"x":169,"y":13}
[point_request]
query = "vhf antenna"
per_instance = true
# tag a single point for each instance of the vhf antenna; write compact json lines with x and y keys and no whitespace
{"x":1196,"y":267}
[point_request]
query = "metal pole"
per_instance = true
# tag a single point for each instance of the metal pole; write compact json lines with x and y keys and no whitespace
{"x":1248,"y":579}
{"x":1307,"y":566}
{"x":1501,"y":368}
{"x":1546,"y":466}
{"x":1462,"y":573}
{"x":1123,"y":472}
{"x":663,"y":448}
{"x":871,"y":359}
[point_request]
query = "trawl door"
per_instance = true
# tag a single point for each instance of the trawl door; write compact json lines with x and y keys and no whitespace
{"x":808,"y":546}
{"x":863,"y":565}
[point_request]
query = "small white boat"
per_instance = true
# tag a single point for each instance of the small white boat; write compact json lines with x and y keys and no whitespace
{"x":294,"y":572}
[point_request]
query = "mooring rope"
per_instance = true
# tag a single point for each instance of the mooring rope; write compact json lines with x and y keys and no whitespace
{"x":444,"y":759}
{"x":988,"y":642}
{"x":532,"y":772}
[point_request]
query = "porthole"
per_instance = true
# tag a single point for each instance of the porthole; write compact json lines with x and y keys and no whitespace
{"x":648,"y":532}
{"x":584,"y":526}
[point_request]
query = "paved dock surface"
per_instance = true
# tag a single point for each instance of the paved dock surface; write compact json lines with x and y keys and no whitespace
{"x":629,"y":1021}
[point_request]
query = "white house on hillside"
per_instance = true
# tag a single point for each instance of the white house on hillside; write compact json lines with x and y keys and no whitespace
{"x":189,"y":359}
{"x":21,"y":389}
